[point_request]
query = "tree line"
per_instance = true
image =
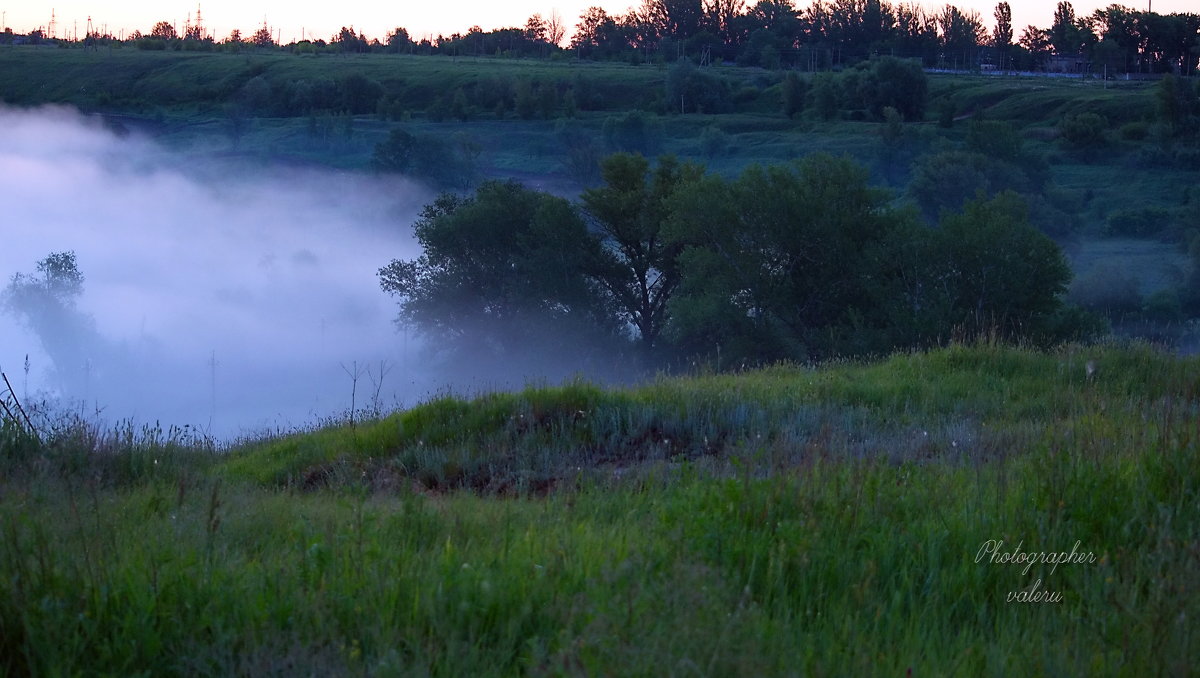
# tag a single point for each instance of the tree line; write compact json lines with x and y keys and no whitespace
{"x":664,"y":261}
{"x":775,"y":33}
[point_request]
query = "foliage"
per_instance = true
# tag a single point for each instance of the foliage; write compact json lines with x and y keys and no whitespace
{"x":432,"y":158}
{"x":897,"y":83}
{"x":693,"y":90}
{"x":1084,"y":130}
{"x":630,"y":210}
{"x":793,"y":90}
{"x":502,"y":274}
{"x":845,"y":505}
{"x":947,"y":180}
{"x":47,"y":303}
{"x":776,"y":269}
{"x":1147,"y":222}
{"x":1005,"y":276}
{"x":633,"y":132}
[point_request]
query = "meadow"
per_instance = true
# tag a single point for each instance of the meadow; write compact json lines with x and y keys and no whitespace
{"x":864,"y":517}
{"x":799,"y":520}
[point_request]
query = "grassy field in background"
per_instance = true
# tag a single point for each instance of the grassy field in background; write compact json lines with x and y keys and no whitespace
{"x":793,"y":521}
{"x":182,"y":99}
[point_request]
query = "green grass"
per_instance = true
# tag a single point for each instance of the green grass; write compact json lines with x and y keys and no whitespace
{"x":1154,"y":265}
{"x":791,"y":521}
{"x":1029,"y":101}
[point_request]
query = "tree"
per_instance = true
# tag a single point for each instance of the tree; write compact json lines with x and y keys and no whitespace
{"x":794,"y":89}
{"x":502,"y":274}
{"x":47,"y":303}
{"x":681,"y":18}
{"x":783,"y":262}
{"x":163,"y":30}
{"x":1121,"y":27}
{"x":899,"y":83}
{"x":433,"y":159}
{"x":1002,"y":274}
{"x":721,"y":17}
{"x":597,"y":33}
{"x":691,"y":89}
{"x":1177,"y":104}
{"x":555,"y":31}
{"x":262,"y":37}
{"x":946,"y":181}
{"x":535,"y":28}
{"x":1002,"y":34}
{"x":1036,"y":42}
{"x":1068,"y":35}
{"x":399,"y":41}
{"x":638,"y":267}
{"x":962,"y":33}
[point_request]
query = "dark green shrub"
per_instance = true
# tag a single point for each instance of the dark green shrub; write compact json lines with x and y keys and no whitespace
{"x":1084,"y":130}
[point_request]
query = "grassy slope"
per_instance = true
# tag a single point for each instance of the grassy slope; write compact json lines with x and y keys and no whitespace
{"x":791,"y":521}
{"x":184,"y":93}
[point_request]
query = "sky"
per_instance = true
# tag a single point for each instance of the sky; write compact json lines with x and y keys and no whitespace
{"x":376,"y":19}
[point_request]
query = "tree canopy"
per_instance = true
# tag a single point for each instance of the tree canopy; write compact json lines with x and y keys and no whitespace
{"x":793,"y":262}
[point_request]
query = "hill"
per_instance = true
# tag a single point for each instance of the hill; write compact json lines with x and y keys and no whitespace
{"x":865,"y":519}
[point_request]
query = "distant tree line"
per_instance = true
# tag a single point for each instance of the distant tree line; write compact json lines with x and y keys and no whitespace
{"x":777,"y":33}
{"x":664,"y":262}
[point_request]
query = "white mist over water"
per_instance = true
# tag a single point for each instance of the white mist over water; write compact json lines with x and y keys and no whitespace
{"x":227,"y":297}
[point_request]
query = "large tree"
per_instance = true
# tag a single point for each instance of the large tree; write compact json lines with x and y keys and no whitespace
{"x":163,"y":30}
{"x":638,"y":266}
{"x":503,"y":273}
{"x":1002,"y":34}
{"x":1000,"y":273}
{"x":781,"y":262}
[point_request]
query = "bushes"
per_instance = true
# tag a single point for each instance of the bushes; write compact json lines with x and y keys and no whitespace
{"x":899,"y":83}
{"x":1084,"y":131}
{"x":691,"y":90}
{"x":871,"y":87}
{"x":442,"y":163}
{"x":793,"y":91}
{"x":634,"y":132}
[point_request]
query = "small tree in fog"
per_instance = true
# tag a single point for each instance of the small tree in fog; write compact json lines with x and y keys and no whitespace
{"x":46,"y":303}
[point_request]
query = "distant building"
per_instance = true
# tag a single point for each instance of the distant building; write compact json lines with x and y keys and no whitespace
{"x":1067,"y":63}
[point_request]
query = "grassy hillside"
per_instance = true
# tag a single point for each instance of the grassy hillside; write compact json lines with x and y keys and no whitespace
{"x":839,"y":520}
{"x":190,"y":100}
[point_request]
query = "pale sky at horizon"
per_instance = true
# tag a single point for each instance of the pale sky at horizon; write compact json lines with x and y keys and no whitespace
{"x":376,"y":19}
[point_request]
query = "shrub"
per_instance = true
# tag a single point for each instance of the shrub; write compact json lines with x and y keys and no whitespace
{"x":1084,"y":130}
{"x":634,"y":132}
{"x":793,"y":90}
{"x":691,"y":90}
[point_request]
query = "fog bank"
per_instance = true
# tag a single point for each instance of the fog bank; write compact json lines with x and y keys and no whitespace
{"x":223,"y":296}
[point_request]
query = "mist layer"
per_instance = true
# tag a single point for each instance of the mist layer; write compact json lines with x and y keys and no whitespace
{"x":230,"y":297}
